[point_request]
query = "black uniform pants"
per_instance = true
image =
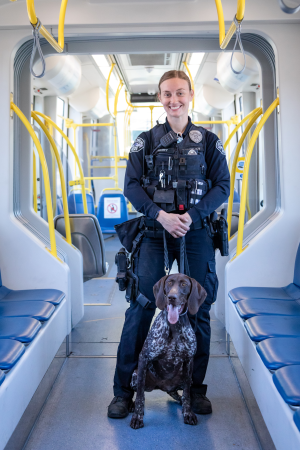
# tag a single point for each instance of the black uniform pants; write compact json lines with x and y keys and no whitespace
{"x":150,"y":269}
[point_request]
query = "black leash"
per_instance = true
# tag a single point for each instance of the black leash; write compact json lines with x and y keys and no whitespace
{"x":183,"y":265}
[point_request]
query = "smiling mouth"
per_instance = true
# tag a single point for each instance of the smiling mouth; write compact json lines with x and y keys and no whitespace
{"x":175,"y":108}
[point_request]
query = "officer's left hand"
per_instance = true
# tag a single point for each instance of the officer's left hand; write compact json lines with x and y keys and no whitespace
{"x":186,"y":219}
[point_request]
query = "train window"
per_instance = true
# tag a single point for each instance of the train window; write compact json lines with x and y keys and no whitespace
{"x":103,"y":102}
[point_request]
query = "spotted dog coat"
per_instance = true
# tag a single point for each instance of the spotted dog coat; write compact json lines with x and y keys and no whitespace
{"x":166,"y":360}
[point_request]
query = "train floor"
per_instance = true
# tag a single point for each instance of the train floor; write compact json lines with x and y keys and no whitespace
{"x":74,"y":413}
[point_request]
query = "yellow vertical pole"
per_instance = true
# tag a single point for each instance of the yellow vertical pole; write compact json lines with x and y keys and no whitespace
{"x":151,"y":109}
{"x":34,"y":182}
{"x":116,"y":154}
{"x":192,"y":83}
{"x":74,"y":143}
{"x":229,"y":147}
{"x":87,"y":144}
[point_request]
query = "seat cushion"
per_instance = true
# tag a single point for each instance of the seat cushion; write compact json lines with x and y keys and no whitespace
{"x":23,"y":329}
{"x":264,"y":327}
{"x":279,"y":352}
{"x":290,"y":292}
{"x":263,"y":307}
{"x":2,"y":376}
{"x":47,"y":295}
{"x":297,"y":419}
{"x":38,"y":310}
{"x":10,"y":353}
{"x":287,"y":382}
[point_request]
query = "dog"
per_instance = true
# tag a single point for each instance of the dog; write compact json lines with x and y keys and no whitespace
{"x":166,"y":360}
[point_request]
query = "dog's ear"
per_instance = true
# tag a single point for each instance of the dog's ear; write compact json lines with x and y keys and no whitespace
{"x":159,"y":293}
{"x":197,"y":296}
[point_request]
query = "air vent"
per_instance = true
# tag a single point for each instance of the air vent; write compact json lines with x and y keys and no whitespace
{"x":152,"y":59}
{"x":143,"y":98}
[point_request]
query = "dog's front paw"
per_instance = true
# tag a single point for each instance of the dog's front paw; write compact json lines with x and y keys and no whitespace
{"x":190,"y":418}
{"x":136,"y":422}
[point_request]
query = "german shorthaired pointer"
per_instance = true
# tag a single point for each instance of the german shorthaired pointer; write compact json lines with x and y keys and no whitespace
{"x":166,"y":360}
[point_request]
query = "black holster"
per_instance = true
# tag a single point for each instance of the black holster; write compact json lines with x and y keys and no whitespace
{"x":217,"y":228}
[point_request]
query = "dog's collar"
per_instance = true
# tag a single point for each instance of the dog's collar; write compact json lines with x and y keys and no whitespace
{"x":183,"y":314}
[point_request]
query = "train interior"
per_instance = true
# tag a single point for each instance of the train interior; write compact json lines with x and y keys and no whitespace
{"x":66,"y":142}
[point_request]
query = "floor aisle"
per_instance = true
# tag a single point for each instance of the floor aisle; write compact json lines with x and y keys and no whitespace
{"x":74,"y":416}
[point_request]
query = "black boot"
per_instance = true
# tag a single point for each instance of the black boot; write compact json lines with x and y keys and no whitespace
{"x":199,"y":401}
{"x":119,"y":408}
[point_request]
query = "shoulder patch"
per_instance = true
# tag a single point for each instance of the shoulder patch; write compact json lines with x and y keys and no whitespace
{"x":138,"y":145}
{"x":219,"y":146}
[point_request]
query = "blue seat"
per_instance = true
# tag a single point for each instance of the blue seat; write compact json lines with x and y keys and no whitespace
{"x":287,"y":382}
{"x":264,"y":307}
{"x":75,"y":203}
{"x":112,"y":210}
{"x":23,"y":329}
{"x":279,"y":352}
{"x":10,"y":353}
{"x":297,"y":419}
{"x":38,"y":310}
{"x":264,"y":327}
{"x":47,"y":295}
{"x":2,"y":377}
{"x":290,"y":292}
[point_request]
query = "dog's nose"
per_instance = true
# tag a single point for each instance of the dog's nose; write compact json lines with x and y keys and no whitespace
{"x":172,"y":297}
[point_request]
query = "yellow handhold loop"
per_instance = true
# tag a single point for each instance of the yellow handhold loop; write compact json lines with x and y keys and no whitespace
{"x":224,"y":39}
{"x":58,"y":46}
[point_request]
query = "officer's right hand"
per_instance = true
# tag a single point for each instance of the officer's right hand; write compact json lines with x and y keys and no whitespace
{"x":173,"y":224}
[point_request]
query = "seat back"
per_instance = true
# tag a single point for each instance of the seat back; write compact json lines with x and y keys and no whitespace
{"x":297,"y":268}
{"x":75,"y":203}
{"x":112,"y":210}
{"x":87,"y":237}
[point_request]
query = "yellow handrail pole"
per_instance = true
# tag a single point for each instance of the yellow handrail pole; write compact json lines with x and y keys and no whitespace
{"x":117,"y":98}
{"x":58,"y":46}
{"x":234,"y":164}
{"x":239,"y":125}
{"x":75,"y":156}
{"x":151,"y":110}
{"x":99,"y":178}
{"x":62,"y":177}
{"x":53,"y":171}
{"x":107,"y":88}
{"x":116,"y":154}
{"x":38,"y":146}
{"x":229,"y":147}
{"x":272,"y":107}
{"x":224,"y":39}
{"x":87,"y":144}
{"x":112,"y":189}
{"x":192,"y":83}
{"x":34,"y":182}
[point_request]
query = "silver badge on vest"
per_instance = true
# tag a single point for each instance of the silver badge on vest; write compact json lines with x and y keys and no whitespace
{"x":192,"y":152}
{"x":195,"y":136}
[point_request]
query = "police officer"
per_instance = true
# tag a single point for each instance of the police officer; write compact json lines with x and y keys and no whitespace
{"x":177,"y":175}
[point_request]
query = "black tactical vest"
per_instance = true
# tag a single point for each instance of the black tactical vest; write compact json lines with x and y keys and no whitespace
{"x":175,"y":173}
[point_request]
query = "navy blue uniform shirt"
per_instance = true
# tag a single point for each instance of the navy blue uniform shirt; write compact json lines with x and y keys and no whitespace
{"x":217,"y":172}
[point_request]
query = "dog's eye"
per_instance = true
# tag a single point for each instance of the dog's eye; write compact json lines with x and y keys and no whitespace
{"x":169,"y":283}
{"x":183,"y":284}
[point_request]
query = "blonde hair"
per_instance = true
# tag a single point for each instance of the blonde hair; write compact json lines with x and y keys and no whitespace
{"x":175,"y":74}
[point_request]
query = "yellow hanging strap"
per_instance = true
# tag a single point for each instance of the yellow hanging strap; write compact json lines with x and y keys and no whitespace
{"x":39,"y":28}
{"x":43,"y":162}
{"x":253,"y":139}
{"x":61,"y":174}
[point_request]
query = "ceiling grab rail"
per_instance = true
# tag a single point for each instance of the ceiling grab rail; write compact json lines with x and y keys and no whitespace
{"x":26,"y":123}
{"x":235,"y":27}
{"x":61,"y":174}
{"x":272,"y":107}
{"x":81,"y":181}
{"x":252,"y":120}
{"x":286,"y":9}
{"x":39,"y":28}
{"x":192,"y":83}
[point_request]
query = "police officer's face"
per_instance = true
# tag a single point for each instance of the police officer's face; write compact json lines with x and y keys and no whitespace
{"x":175,"y":97}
